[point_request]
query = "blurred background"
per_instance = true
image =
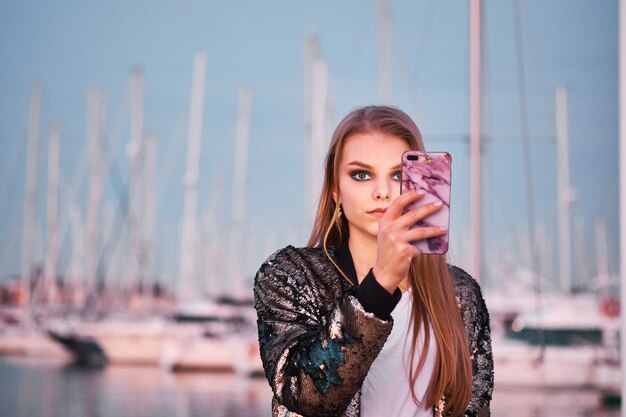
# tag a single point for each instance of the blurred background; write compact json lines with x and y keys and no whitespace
{"x":152,"y":155}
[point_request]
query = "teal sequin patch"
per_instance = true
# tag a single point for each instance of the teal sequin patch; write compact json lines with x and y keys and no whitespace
{"x":322,"y":363}
{"x":319,"y":362}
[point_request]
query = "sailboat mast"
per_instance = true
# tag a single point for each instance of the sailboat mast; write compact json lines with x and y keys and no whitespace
{"x":135,"y":154}
{"x":149,"y":209}
{"x":30,"y":196}
{"x":317,"y":141}
{"x":564,"y":192}
{"x":242,"y":136}
{"x":52,"y":215}
{"x":602,"y":259}
{"x":622,"y":188}
{"x":383,"y":47}
{"x":213,"y":249}
{"x":580,"y":252}
{"x":315,"y":80}
{"x":475,"y":139}
{"x":76,"y":269}
{"x":95,"y":114}
{"x":188,"y":239}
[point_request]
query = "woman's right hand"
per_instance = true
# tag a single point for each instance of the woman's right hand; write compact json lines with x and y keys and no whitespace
{"x":395,"y":251}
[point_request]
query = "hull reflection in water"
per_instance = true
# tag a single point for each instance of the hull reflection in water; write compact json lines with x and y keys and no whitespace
{"x":35,"y":388}
{"x":203,"y":336}
{"x":531,"y":402}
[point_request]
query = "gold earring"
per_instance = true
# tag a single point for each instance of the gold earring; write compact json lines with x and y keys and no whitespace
{"x":338,"y":217}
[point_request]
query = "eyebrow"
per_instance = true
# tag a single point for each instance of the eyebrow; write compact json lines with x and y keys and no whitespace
{"x":366,"y":166}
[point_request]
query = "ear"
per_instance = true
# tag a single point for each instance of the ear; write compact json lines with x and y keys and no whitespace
{"x":334,"y":193}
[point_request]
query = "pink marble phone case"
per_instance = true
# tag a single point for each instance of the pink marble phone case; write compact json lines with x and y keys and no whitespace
{"x":431,"y":173}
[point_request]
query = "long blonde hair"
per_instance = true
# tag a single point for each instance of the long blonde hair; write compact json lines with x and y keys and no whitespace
{"x":434,"y":295}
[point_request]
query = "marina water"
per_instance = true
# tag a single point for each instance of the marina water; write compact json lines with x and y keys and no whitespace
{"x":37,"y":388}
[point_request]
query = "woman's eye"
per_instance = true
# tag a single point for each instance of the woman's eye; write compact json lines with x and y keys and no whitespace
{"x":360,"y":175}
{"x":397,"y":176}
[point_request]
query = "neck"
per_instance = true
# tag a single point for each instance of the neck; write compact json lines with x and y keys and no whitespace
{"x":363,"y":253}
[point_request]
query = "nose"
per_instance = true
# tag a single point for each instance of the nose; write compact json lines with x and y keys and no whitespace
{"x":382,"y":191}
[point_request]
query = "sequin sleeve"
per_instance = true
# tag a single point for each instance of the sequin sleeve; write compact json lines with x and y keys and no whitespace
{"x":317,"y":342}
{"x":476,"y":320}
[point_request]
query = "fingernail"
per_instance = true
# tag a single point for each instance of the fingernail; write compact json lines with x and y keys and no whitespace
{"x":419,"y":192}
{"x":437,"y":203}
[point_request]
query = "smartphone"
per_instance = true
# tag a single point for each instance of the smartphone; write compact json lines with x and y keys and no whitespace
{"x":430,"y":172}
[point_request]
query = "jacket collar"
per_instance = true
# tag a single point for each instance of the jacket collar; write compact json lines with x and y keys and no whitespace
{"x":343,"y":257}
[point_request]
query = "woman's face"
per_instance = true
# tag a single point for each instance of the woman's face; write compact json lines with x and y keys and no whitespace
{"x":369,"y":180}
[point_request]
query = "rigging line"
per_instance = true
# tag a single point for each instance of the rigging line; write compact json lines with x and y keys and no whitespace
{"x":425,"y":34}
{"x":10,"y":251}
{"x":112,"y":236}
{"x":405,"y":72}
{"x":9,"y":168}
{"x":70,"y":189}
{"x":398,"y":51}
{"x":530,"y":202}
{"x":110,"y":143}
{"x":500,"y":195}
{"x":123,"y":211}
{"x":533,"y":48}
{"x":112,"y":171}
{"x":80,"y":175}
{"x":523,"y":108}
{"x":12,"y":243}
{"x":173,"y":151}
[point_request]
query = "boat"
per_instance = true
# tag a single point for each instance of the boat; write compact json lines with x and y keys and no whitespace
{"x":18,"y":340}
{"x":224,"y":339}
{"x":570,"y":344}
{"x":20,"y":336}
{"x":120,"y":340}
{"x":85,"y":351}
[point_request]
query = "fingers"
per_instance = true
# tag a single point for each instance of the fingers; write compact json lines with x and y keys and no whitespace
{"x":420,"y":233}
{"x":397,"y":206}
{"x":400,"y":229}
{"x":395,"y":234}
{"x":413,"y":216}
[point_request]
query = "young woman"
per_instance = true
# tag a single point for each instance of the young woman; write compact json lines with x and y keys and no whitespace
{"x":359,"y":323}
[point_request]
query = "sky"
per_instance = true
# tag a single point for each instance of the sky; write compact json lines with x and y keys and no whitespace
{"x":75,"y":47}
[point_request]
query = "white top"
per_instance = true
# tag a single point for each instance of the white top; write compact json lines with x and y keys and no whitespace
{"x":386,"y":390}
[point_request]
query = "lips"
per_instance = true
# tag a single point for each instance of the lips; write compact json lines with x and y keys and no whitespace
{"x":379,"y":212}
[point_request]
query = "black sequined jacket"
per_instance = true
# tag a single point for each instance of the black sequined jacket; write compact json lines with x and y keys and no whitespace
{"x":318,"y":342}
